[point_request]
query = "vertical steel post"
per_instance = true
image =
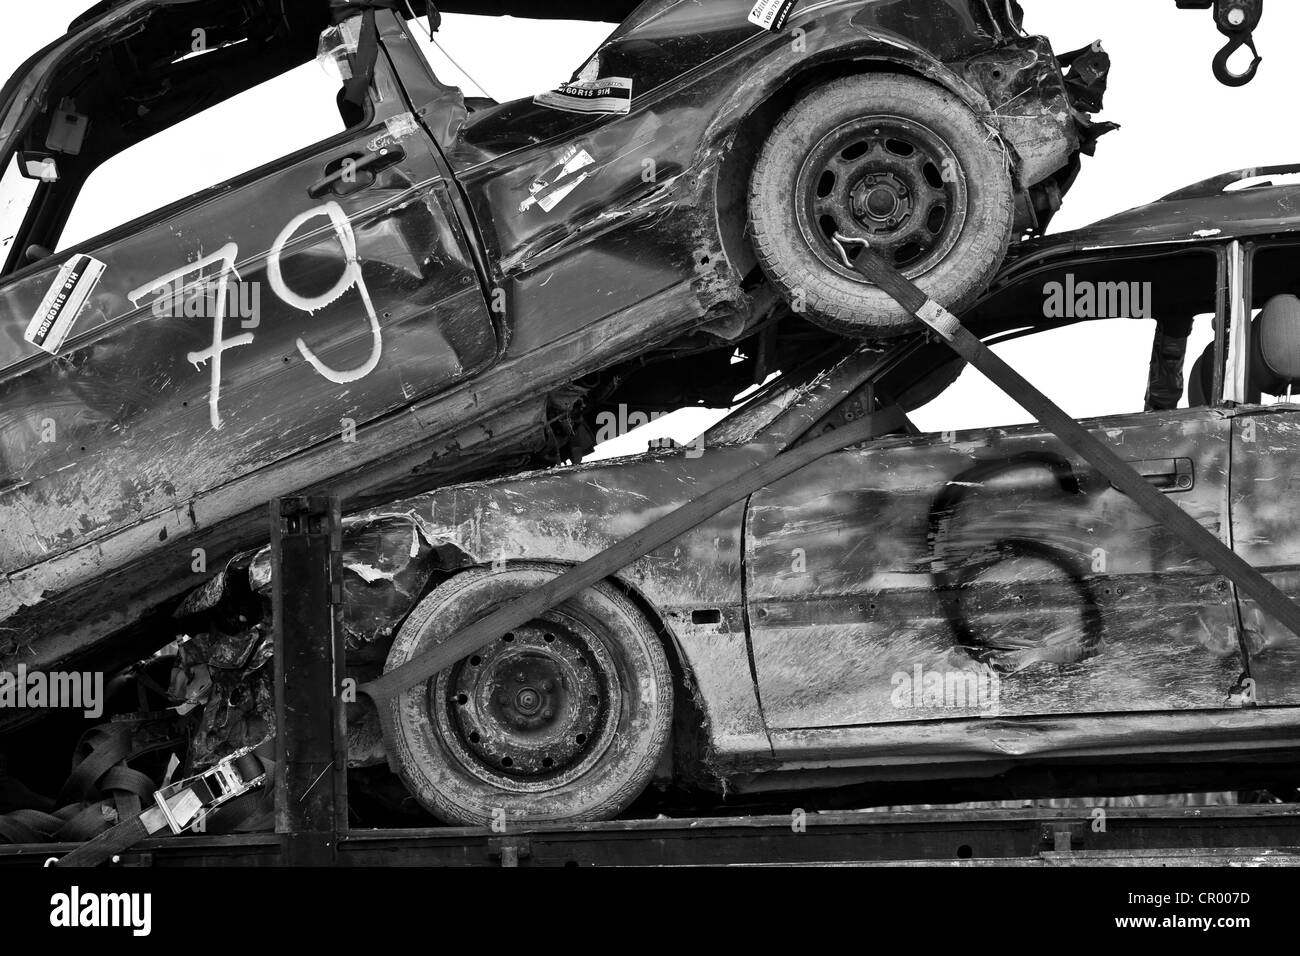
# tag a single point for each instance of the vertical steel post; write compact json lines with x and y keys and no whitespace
{"x":311,"y":738}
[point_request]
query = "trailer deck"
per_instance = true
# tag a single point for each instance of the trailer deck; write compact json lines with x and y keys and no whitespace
{"x":1259,"y":835}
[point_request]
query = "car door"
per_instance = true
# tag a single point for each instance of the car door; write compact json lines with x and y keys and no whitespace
{"x":992,"y":572}
{"x":226,"y":332}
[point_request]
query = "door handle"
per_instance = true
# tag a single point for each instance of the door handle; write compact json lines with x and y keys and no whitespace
{"x":356,"y":170}
{"x":1170,"y":475}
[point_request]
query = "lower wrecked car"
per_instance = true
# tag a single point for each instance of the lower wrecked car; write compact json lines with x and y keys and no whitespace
{"x":448,"y":288}
{"x":969,"y":611}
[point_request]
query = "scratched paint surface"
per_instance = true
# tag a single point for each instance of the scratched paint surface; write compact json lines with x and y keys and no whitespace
{"x":1266,"y":478}
{"x":996,"y":549}
{"x":362,"y":308}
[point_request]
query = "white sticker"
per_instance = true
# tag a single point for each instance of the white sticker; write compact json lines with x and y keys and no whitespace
{"x":772,"y":14}
{"x":549,"y":189}
{"x":59,"y":309}
{"x":609,"y":95}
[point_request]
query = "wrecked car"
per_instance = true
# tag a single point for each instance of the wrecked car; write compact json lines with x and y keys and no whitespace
{"x":447,"y":288}
{"x":973,"y":607}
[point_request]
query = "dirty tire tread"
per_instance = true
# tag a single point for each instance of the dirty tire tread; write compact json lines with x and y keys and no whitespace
{"x":863,"y":310}
{"x":441,"y":798}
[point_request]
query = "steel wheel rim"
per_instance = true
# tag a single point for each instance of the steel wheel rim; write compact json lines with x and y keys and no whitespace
{"x":539,"y":732}
{"x":889,"y":180}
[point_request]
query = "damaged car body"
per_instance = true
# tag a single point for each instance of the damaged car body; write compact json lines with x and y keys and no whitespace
{"x":974,"y":607}
{"x":438,"y":252}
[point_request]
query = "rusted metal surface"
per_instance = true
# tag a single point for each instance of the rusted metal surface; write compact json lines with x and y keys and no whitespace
{"x":475,"y":269}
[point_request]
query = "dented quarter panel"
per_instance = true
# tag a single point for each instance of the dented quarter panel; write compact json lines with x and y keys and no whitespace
{"x":573,"y":514}
{"x":648,"y":213}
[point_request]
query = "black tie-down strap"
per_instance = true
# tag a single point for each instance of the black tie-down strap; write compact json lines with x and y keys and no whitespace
{"x":357,"y":87}
{"x":103,"y":787}
{"x":189,"y":801}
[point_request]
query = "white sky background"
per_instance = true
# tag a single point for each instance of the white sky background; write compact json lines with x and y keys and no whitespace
{"x":1180,"y":126}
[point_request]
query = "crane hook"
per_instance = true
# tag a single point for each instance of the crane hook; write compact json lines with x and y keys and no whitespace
{"x":1224,"y":73}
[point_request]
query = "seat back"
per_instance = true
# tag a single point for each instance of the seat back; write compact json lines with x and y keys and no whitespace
{"x":1202,"y":380}
{"x":1275,"y":348}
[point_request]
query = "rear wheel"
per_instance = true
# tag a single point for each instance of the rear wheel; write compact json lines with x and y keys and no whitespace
{"x":893,"y":160}
{"x":564,"y":718}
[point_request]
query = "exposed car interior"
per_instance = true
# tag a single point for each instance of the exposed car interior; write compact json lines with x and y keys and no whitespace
{"x":1274,"y":349}
{"x":1182,"y":293}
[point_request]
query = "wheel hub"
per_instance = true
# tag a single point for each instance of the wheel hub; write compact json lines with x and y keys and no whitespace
{"x":890,"y":181}
{"x":533,"y":705}
{"x":881,"y":202}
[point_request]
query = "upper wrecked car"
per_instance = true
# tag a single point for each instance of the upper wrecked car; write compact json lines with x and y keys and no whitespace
{"x":445,"y":287}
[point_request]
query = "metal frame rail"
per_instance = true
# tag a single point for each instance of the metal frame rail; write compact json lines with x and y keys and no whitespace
{"x":1263,"y":835}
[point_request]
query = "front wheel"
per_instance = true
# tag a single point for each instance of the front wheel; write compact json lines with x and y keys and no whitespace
{"x":898,"y":162}
{"x":563,"y":719}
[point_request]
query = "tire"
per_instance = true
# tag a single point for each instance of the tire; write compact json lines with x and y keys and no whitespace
{"x":596,"y":702}
{"x":838,"y":160}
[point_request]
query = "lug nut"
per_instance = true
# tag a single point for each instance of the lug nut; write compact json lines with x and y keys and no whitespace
{"x":548,"y":714}
{"x":548,"y":685}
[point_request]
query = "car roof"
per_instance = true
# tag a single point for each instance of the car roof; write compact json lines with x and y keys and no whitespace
{"x":1236,"y":205}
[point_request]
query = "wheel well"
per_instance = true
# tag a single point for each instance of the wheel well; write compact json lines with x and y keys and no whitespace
{"x":690,"y":733}
{"x":732,"y":200}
